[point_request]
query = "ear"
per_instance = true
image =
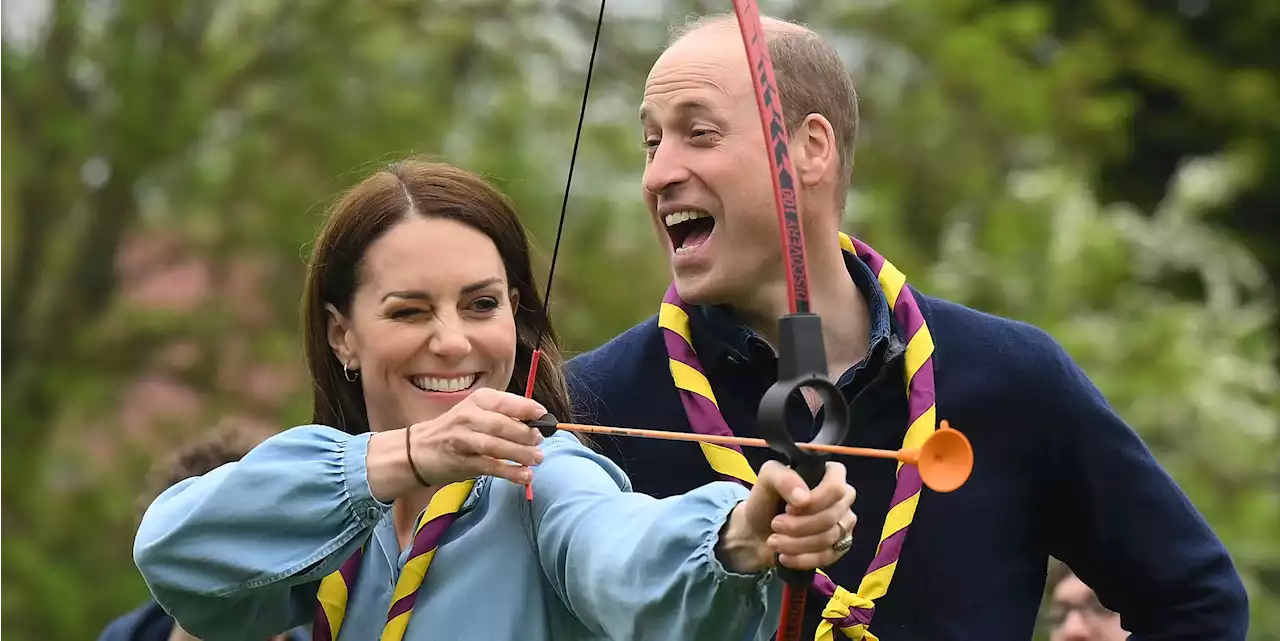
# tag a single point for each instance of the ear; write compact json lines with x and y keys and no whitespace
{"x":514,"y":297}
{"x":338,"y":330}
{"x":813,"y":150}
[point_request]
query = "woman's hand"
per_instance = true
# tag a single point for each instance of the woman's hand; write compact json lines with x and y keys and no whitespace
{"x":804,"y":537}
{"x":476,"y":437}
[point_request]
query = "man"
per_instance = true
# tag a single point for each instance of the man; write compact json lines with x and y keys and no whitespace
{"x":1056,"y":471}
{"x":1075,"y":613}
{"x":149,"y":622}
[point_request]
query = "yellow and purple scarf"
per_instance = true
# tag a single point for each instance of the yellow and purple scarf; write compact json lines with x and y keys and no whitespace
{"x":335,"y":589}
{"x":849,"y":612}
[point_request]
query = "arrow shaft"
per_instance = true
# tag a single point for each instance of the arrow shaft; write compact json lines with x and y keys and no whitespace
{"x":907,"y":456}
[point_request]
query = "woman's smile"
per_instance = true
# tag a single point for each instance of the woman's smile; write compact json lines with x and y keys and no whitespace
{"x":450,"y":384}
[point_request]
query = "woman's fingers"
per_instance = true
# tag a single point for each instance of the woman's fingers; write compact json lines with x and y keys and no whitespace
{"x":488,"y":446}
{"x":502,"y":426}
{"x":518,"y":474}
{"x":518,"y":408}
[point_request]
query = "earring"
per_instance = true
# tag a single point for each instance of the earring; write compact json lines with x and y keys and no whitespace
{"x":350,"y":374}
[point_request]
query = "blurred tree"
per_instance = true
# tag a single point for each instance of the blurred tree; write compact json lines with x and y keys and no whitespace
{"x":169,"y":162}
{"x":1201,"y":77}
{"x":166,"y":164}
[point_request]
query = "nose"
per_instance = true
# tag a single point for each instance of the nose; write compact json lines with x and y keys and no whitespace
{"x":1073,"y":628}
{"x":449,"y":339}
{"x":665,"y":169}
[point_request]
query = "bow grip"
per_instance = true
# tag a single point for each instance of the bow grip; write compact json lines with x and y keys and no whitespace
{"x":802,"y":363}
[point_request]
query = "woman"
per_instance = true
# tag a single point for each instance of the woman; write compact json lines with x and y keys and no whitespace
{"x":420,"y":309}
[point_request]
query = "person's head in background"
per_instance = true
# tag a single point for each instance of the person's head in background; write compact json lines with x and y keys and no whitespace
{"x":200,"y":457}
{"x":150,"y":623}
{"x":1074,"y":611}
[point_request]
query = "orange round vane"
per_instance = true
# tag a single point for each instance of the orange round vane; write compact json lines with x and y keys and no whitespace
{"x":945,"y":460}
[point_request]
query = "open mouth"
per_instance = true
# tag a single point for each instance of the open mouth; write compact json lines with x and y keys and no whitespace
{"x":444,"y":385}
{"x":688,"y":229}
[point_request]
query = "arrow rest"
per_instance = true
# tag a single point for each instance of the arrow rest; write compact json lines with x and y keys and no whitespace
{"x":546,"y":424}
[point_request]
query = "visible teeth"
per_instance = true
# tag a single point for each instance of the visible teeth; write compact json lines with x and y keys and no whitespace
{"x":432,"y":384}
{"x":681,"y":216}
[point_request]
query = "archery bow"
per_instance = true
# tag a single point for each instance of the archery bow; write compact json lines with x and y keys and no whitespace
{"x":802,"y":361}
{"x":802,"y":356}
{"x":555,"y":253}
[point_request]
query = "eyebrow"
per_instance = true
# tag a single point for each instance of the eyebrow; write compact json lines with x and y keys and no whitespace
{"x":415,"y":294}
{"x":683,"y":107}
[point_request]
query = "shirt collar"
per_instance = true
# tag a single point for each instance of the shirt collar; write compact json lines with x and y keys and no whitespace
{"x":720,"y":337}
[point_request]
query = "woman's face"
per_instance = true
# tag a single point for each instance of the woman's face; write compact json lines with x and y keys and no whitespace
{"x":432,"y":319}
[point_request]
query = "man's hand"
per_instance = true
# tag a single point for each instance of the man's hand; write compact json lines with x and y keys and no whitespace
{"x":805,"y":537}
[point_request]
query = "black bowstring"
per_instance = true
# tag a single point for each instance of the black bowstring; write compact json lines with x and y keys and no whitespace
{"x":577,"y":139}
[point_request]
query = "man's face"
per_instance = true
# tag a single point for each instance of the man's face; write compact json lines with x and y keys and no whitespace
{"x":707,"y":181}
{"x":1076,"y":615}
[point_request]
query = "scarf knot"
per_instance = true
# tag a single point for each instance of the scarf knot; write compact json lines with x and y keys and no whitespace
{"x":848,"y":612}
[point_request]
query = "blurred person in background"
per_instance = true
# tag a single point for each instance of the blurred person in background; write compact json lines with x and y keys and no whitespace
{"x":150,"y":622}
{"x":400,"y":513}
{"x":1057,"y":471}
{"x":1074,"y":613}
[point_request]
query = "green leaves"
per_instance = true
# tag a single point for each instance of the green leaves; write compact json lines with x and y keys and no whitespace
{"x":168,"y":165}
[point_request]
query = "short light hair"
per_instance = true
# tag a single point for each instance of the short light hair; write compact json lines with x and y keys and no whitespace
{"x":811,"y":80}
{"x":1057,"y":573}
{"x":198,"y":458}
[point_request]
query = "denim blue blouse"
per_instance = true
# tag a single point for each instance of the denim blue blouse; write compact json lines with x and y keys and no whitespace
{"x":238,"y":553}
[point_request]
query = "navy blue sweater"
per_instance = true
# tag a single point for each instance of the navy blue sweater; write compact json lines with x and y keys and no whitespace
{"x":1056,"y":472}
{"x":149,"y":622}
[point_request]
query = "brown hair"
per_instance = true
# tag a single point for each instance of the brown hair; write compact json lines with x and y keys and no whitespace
{"x":811,"y":80}
{"x":418,"y":187}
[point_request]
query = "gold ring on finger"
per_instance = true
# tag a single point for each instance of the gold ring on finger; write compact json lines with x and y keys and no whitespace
{"x":845,"y":541}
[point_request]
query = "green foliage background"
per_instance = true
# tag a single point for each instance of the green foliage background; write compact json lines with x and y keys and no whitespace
{"x":1105,"y":170}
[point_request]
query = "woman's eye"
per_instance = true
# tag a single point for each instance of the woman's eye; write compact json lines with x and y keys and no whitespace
{"x":485,"y":304}
{"x":406,"y":312}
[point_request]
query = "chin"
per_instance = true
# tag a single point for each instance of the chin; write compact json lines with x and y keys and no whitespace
{"x":700,"y":289}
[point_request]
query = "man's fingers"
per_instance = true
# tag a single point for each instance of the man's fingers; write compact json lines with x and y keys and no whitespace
{"x":815,"y":535}
{"x":784,"y":482}
{"x":799,"y":497}
{"x":793,"y":546}
{"x":807,"y":524}
{"x":829,"y":492}
{"x":811,"y":561}
{"x":812,"y":552}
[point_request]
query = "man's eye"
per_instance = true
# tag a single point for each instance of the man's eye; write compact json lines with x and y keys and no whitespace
{"x":704,"y":135}
{"x":406,"y":312}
